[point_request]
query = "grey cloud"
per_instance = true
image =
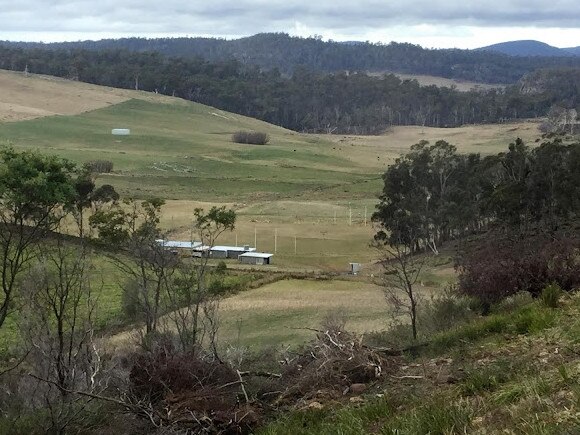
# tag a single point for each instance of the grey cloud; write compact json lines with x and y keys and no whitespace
{"x":229,"y":17}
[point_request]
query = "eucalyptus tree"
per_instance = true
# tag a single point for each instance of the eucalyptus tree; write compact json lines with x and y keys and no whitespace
{"x":35,"y":192}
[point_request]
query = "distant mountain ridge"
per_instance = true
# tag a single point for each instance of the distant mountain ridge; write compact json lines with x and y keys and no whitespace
{"x":285,"y":53}
{"x":530,"y":48}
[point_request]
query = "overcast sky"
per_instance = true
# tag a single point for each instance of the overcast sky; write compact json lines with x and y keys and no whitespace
{"x":450,"y":23}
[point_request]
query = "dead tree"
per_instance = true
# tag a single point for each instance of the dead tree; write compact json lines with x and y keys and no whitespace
{"x":402,"y":267}
{"x":192,"y":308}
{"x":57,"y":327}
{"x":134,"y":228}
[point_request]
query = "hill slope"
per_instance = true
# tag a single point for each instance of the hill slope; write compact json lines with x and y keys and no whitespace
{"x":177,"y":149}
{"x":513,"y":372}
{"x":573,"y":50}
{"x":29,"y":96}
{"x":300,"y":185}
{"x":528,"y":48}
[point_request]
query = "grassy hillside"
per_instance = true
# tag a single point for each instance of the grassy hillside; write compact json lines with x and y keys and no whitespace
{"x":313,"y":190}
{"x":185,"y":151}
{"x":515,"y":372}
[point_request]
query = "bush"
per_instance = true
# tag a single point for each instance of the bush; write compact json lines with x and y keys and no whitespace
{"x":551,"y":295}
{"x":501,"y":267}
{"x":221,"y":268}
{"x":443,"y":312}
{"x":514,"y":302}
{"x":99,"y":166}
{"x":130,"y":300}
{"x":251,"y":137}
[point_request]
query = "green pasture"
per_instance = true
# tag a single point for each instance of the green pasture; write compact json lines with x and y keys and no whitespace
{"x":184,"y":151}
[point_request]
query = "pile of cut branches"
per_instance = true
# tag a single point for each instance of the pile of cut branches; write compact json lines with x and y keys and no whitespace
{"x":329,"y":366}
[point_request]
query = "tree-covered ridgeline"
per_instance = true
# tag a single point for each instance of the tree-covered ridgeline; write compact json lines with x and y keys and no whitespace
{"x":281,"y":51}
{"x":307,"y":101}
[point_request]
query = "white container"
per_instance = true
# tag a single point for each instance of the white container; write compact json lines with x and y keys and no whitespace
{"x":120,"y":132}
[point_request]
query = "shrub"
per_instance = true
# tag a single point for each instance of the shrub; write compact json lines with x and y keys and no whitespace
{"x":130,"y":300}
{"x":533,"y":319}
{"x":221,"y":268}
{"x":165,"y":371}
{"x":500,"y":267}
{"x":251,"y":137}
{"x":551,"y":295}
{"x":99,"y":166}
{"x":443,"y":312}
{"x":514,"y":302}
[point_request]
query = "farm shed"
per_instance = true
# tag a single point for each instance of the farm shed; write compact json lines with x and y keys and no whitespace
{"x":201,"y":251}
{"x":175,"y":245}
{"x":230,"y":251}
{"x":255,"y":258}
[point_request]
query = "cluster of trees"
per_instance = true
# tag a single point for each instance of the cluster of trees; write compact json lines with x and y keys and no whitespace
{"x":280,"y":51}
{"x":306,"y":101}
{"x":434,"y":194}
{"x":49,"y":285}
{"x":521,"y":205}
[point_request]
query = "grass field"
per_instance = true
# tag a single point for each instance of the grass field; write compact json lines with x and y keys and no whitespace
{"x":274,"y":314}
{"x":284,"y":313}
{"x":314,"y":191}
{"x":306,"y":198}
{"x":426,"y":80}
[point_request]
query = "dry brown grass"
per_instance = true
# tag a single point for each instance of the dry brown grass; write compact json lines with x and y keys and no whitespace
{"x":379,"y":151}
{"x":460,"y":85}
{"x":33,"y":96}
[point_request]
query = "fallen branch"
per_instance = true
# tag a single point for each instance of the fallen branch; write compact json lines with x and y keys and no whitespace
{"x":397,"y":352}
{"x":260,"y":374}
{"x":340,"y":346}
{"x":242,"y":386}
{"x":408,"y":377}
{"x":150,"y":413}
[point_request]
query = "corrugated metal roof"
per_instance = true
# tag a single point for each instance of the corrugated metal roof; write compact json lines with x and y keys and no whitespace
{"x":256,"y":255}
{"x":232,"y":248}
{"x":178,"y":244}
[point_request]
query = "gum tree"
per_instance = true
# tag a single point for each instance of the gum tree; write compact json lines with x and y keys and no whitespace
{"x":35,"y":191}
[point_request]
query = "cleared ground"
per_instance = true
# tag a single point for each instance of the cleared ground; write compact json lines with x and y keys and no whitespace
{"x":28,"y":96}
{"x":284,"y":313}
{"x":304,"y":197}
{"x":426,"y":80}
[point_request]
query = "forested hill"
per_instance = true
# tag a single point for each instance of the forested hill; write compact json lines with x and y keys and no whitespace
{"x":530,"y":48}
{"x":306,"y":101}
{"x":285,"y":53}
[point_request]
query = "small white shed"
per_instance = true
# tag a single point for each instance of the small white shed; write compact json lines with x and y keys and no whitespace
{"x":258,"y":258}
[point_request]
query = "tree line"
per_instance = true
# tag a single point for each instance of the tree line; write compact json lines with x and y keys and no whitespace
{"x":433,"y":194}
{"x":307,"y":101}
{"x":513,"y":217}
{"x":270,"y":51}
